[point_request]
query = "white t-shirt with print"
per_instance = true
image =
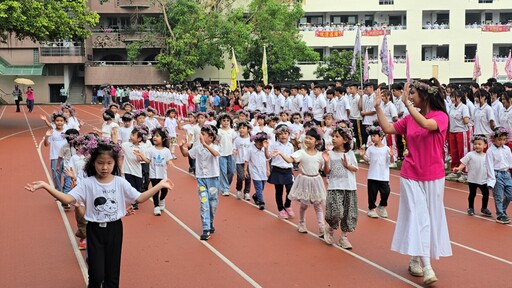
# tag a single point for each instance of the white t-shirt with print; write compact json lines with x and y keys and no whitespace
{"x":207,"y":165}
{"x":104,"y":202}
{"x":340,"y":178}
{"x":125,"y":133}
{"x":378,"y":159}
{"x":242,"y":145}
{"x":77,"y":164}
{"x":159,"y":159}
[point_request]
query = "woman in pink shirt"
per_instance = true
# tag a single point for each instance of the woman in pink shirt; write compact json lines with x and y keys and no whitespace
{"x":421,"y":229}
{"x":30,"y":99}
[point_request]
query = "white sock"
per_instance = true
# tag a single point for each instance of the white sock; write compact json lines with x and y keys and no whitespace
{"x":426,"y":262}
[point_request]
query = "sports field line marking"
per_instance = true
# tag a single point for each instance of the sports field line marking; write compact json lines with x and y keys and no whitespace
{"x":78,"y":254}
{"x":3,"y":111}
{"x":357,"y":256}
{"x":16,"y":133}
{"x":214,"y":251}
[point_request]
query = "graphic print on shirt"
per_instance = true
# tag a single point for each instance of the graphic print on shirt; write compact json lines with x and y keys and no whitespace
{"x":159,"y":160}
{"x":106,"y":206}
{"x":338,"y":171}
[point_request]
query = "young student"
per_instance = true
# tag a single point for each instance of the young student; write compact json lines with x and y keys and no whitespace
{"x":104,"y":193}
{"x":227,"y":162}
{"x":484,"y":118}
{"x":458,"y":134}
{"x":126,"y":130}
{"x":378,"y":157}
{"x":281,"y":174}
{"x":65,"y":153}
{"x":257,"y":167}
{"x":115,"y":108}
{"x":327,"y":130}
{"x":69,"y":113}
{"x":499,"y":161}
{"x":140,"y":122}
{"x":240,"y":149}
{"x":259,"y":126}
{"x":132,"y":157}
{"x":474,"y":162}
{"x":109,"y":129}
{"x":207,"y":173}
{"x":211,"y":118}
{"x":127,"y":107}
{"x":193,"y":137}
{"x":159,"y":157}
{"x":55,"y":140}
{"x":391,"y":114}
{"x":341,"y":203}
{"x":151,"y":122}
{"x":308,"y":188}
{"x":242,"y":116}
{"x":170,"y":125}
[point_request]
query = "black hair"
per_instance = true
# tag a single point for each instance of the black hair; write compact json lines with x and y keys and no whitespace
{"x":397,"y":86}
{"x":140,"y":133}
{"x":108,"y":115}
{"x":222,"y":117}
{"x":459,"y":94}
{"x":341,"y":89}
{"x":436,"y":100}
{"x":89,"y":168}
{"x":307,"y":113}
{"x":127,"y":117}
{"x":482,"y":93}
{"x":330,"y":92}
{"x":210,"y":130}
{"x":70,"y":134}
{"x":163,"y":134}
{"x":343,"y":133}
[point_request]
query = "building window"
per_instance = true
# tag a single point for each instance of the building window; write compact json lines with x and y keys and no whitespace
{"x":386,"y":2}
{"x":505,"y":18}
{"x":320,"y":52}
{"x":485,"y":1}
{"x":469,"y":52}
{"x":435,"y":52}
{"x":344,"y":19}
{"x":500,"y":51}
{"x":436,"y":20}
{"x":399,"y":52}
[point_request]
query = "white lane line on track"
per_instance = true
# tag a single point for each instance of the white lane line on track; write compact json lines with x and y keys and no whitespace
{"x":3,"y":111}
{"x":214,"y":251}
{"x":361,"y":258}
{"x":20,"y":132}
{"x":71,"y":235}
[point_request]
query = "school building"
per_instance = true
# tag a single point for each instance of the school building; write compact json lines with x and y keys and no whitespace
{"x":441,"y":38}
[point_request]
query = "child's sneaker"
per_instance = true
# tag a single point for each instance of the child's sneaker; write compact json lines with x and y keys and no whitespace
{"x":452,"y":176}
{"x":462,"y":179}
{"x":393,"y":165}
{"x":66,"y":207}
{"x":261,"y":206}
{"x":372,"y":214}
{"x":321,"y":232}
{"x":247,"y":197}
{"x":225,"y":193}
{"x":156,"y":211}
{"x":329,"y":236}
{"x":344,"y":243}
{"x":415,"y":267}
{"x":161,"y":204}
{"x":302,"y":227}
{"x":83,"y":244}
{"x":383,"y":213}
{"x":429,"y":276}
{"x":212,"y":229}
{"x":289,"y":211}
{"x":239,"y":195}
{"x":486,"y":212}
{"x":135,"y":206}
{"x":471,"y":211}
{"x":503,"y":219}
{"x":283,"y":214}
{"x":205,"y":236}
{"x":255,"y":198}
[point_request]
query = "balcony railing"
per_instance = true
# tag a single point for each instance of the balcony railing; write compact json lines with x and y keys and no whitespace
{"x":134,"y":3}
{"x":120,"y":40}
{"x":121,"y":63}
{"x":62,"y":49}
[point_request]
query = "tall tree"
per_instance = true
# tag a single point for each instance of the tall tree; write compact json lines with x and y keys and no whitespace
{"x":46,"y":20}
{"x":337,"y":66}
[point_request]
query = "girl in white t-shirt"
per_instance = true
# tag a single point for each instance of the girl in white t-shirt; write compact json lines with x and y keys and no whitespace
{"x":227,"y":162}
{"x":134,"y":154}
{"x":151,"y":122}
{"x":109,"y":129}
{"x":126,"y":130}
{"x":341,"y":203}
{"x":115,"y":108}
{"x":484,"y":118}
{"x":105,"y":195}
{"x":308,"y":188}
{"x":378,"y":157}
{"x":160,"y":157}
{"x":69,"y":113}
{"x":170,"y":124}
{"x":240,"y":149}
{"x":55,"y":139}
{"x":257,"y":167}
{"x":475,"y":164}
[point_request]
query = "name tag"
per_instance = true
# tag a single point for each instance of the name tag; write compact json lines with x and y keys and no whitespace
{"x":102,"y":225}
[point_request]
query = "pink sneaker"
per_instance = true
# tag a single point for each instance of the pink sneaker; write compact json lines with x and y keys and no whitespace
{"x":289,"y":211}
{"x":82,"y":245}
{"x":283,"y":214}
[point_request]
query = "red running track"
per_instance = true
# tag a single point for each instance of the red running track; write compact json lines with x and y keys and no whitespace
{"x":251,"y":248}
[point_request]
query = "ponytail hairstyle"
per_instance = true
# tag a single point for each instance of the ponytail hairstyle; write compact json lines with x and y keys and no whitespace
{"x":481,"y":93}
{"x":459,"y":94}
{"x":431,"y":93}
{"x":141,"y":132}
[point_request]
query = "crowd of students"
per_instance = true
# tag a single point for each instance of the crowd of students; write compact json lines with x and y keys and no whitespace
{"x":316,"y":129}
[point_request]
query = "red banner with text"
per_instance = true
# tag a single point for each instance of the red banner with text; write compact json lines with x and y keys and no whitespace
{"x":496,"y":28}
{"x":375,"y":32}
{"x":328,"y":34}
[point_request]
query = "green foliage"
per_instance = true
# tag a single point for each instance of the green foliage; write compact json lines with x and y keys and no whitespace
{"x":133,"y":51}
{"x":337,"y":66}
{"x":274,"y":23}
{"x":46,"y":20}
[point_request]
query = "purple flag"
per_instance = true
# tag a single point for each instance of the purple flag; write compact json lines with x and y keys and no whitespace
{"x":384,"y":56}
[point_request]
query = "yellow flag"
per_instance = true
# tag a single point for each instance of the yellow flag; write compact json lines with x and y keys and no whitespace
{"x":264,"y":67}
{"x":234,"y":71}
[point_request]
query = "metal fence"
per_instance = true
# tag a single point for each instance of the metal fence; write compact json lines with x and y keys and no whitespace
{"x":62,"y":49}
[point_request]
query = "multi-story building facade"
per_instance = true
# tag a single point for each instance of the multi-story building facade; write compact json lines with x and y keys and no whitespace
{"x":441,"y":38}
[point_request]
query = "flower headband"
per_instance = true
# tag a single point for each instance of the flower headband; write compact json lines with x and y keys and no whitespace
{"x":163,"y":130}
{"x":425,"y":87}
{"x":344,"y":132}
{"x":371,"y":130}
{"x":283,"y":128}
{"x":127,"y":116}
{"x":328,"y":115}
{"x":347,"y":122}
{"x":126,"y":104}
{"x":500,"y":131}
{"x":68,"y":107}
{"x":113,"y":105}
{"x":89,"y":143}
{"x":151,"y":109}
{"x":260,"y":136}
{"x":243,"y":123}
{"x":246,"y":113}
{"x":200,"y":114}
{"x":479,"y":137}
{"x":222,"y":116}
{"x":57,"y":114}
{"x":210,"y":129}
{"x":140,"y":112}
{"x":261,"y":116}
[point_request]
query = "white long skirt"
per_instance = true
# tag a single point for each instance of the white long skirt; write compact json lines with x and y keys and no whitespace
{"x":421,"y":228}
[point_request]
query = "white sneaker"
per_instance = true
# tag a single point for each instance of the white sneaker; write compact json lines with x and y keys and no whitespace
{"x":239,"y":195}
{"x":344,"y":243}
{"x":302,"y":227}
{"x":429,"y":276}
{"x":372,"y":214}
{"x":225,"y":193}
{"x":156,"y":211}
{"x":329,"y":236}
{"x":392,"y":165}
{"x":247,"y":197}
{"x":462,"y":179}
{"x":452,"y":176}
{"x":415,"y":267}
{"x":382,"y":212}
{"x":161,"y":204}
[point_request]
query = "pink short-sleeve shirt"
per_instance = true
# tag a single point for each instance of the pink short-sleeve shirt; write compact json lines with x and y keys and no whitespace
{"x":425,"y":159}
